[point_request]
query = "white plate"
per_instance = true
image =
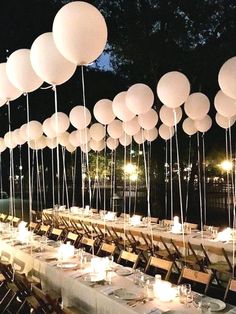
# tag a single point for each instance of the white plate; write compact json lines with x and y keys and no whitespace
{"x":125,"y":294}
{"x":93,"y":277}
{"x":49,"y":257}
{"x":216,"y":305}
{"x":124,"y":271}
{"x":67,"y":265}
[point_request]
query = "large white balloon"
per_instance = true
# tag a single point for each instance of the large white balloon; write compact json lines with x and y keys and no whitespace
{"x":148,"y":120}
{"x":34,"y":130}
{"x":103,"y":111}
{"x":80,"y":117}
{"x":204,"y":124}
{"x":139,"y":98}
{"x":74,"y":138}
{"x":97,"y":131}
{"x":139,"y":137}
{"x":115,"y":129}
{"x":80,"y":32}
{"x":9,"y":140}
{"x":7,"y":90}
{"x":120,"y":108}
{"x":227,"y":78}
{"x":151,"y":135}
{"x":20,"y":72}
{"x":224,"y":122}
{"x":125,"y":139}
{"x":51,"y":142}
{"x":85,"y":148}
{"x":225,"y":105}
{"x":84,"y":136}
{"x":22,"y":132}
{"x":41,"y":142}
{"x":166,"y":132}
{"x":63,"y":139}
{"x":70,"y":148}
{"x":197,"y":106}
{"x":48,"y":62}
{"x":131,"y":127}
{"x":189,"y":126}
{"x":112,"y":143}
{"x":59,"y":122}
{"x":97,"y":146}
{"x":17,"y":137}
{"x":173,"y":89}
{"x":47,"y":128}
{"x":2,"y":145}
{"x":170,"y":116}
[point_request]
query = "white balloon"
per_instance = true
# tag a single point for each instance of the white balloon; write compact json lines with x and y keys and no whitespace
{"x":204,"y":124}
{"x":59,"y":122}
{"x":125,"y":139}
{"x":197,"y":106}
{"x":115,"y":129}
{"x":22,"y":132}
{"x":131,"y":127}
{"x":84,"y":136}
{"x":47,"y":61}
{"x":225,"y":105}
{"x":148,"y":120}
{"x":139,"y":98}
{"x":227,"y":78}
{"x":70,"y":148}
{"x":2,"y":145}
{"x":20,"y":72}
{"x":97,"y":146}
{"x":97,"y":131}
{"x":7,"y":90}
{"x":189,"y":127}
{"x":170,"y":116}
{"x":112,"y":143}
{"x":63,"y":139}
{"x":47,"y":128}
{"x":41,"y":142}
{"x":80,"y":32}
{"x":51,"y":142}
{"x":166,"y":132}
{"x":9,"y":140}
{"x":34,"y":130}
{"x":120,"y":108}
{"x":173,"y":89}
{"x":85,"y":148}
{"x":139,"y":137}
{"x":103,"y":111}
{"x":151,"y":135}
{"x":17,"y":138}
{"x":224,"y":122}
{"x":74,"y":138}
{"x":80,"y":117}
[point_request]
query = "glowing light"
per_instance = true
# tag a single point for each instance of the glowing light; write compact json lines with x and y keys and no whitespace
{"x":177,"y":227}
{"x":130,"y":168}
{"x":226,"y":165}
{"x":134,"y":177}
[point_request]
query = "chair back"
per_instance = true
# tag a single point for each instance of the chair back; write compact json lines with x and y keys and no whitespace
{"x":130,"y":257}
{"x":106,"y":249}
{"x":230,"y":292}
{"x":160,"y":264}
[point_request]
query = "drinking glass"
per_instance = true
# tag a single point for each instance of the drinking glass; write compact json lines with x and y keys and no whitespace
{"x":149,"y":289}
{"x":184,"y":290}
{"x":205,"y":307}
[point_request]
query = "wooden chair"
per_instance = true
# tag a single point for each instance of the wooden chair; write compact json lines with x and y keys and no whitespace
{"x":87,"y":243}
{"x":139,"y":243}
{"x":3,"y":217}
{"x":55,"y":234}
{"x":15,"y":221}
{"x":5,"y":256}
{"x":106,"y":249}
{"x":73,"y":238}
{"x":189,"y":225}
{"x":160,"y":265}
{"x":33,"y":226}
{"x":132,"y":258}
{"x":197,"y":278}
{"x":230,"y":292}
{"x":9,"y":218}
{"x":43,"y":230}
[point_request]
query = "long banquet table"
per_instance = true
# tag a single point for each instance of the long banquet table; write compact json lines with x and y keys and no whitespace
{"x":77,"y":292}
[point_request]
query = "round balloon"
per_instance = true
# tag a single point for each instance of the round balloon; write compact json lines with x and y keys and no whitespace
{"x":8,"y":91}
{"x":189,"y":126}
{"x":115,"y":129}
{"x":59,"y":122}
{"x":97,"y":146}
{"x":173,"y":89}
{"x":139,"y":137}
{"x":125,"y":139}
{"x":170,"y":116}
{"x":97,"y":131}
{"x":139,"y":98}
{"x":74,"y":138}
{"x":80,"y":32}
{"x":148,"y":120}
{"x":166,"y":132}
{"x":70,"y":148}
{"x":197,"y":106}
{"x":9,"y":140}
{"x":225,"y":105}
{"x":22,"y":132}
{"x":80,"y":117}
{"x":224,"y":122}
{"x":20,"y":72}
{"x":103,"y":111}
{"x":47,"y":128}
{"x":227,"y":78}
{"x":48,"y":63}
{"x":131,"y":127}
{"x":2,"y":145}
{"x":51,"y":142}
{"x":120,"y":108}
{"x":85,"y":148}
{"x":63,"y":139}
{"x":17,"y":138}
{"x":204,"y":124}
{"x":151,"y":135}
{"x":34,"y":130}
{"x":112,"y":143}
{"x":84,"y":136}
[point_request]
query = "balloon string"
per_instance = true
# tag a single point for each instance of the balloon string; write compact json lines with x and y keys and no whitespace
{"x":29,"y":160}
{"x":58,"y":153}
{"x":1,"y":187}
{"x":136,"y":183}
{"x":43,"y":181}
{"x":114,"y":182}
{"x":111,"y":180}
{"x":97,"y":184}
{"x":39,"y":190}
{"x":83,"y":173}
{"x":104,"y":179}
{"x":10,"y":165}
{"x":227,"y":176}
{"x":199,"y":181}
{"x":231,"y":172}
{"x":53,"y":182}
{"x":13,"y":183}
{"x":47,"y":87}
{"x":171,"y":180}
{"x":188,"y":178}
{"x":65,"y":177}
{"x":86,"y":137}
{"x":32,"y":174}
{"x":124,"y":202}
{"x":130,"y":161}
{"x":146,"y":177}
{"x":166,"y":179}
{"x":74,"y":176}
{"x":21,"y":185}
{"x":204,"y":178}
